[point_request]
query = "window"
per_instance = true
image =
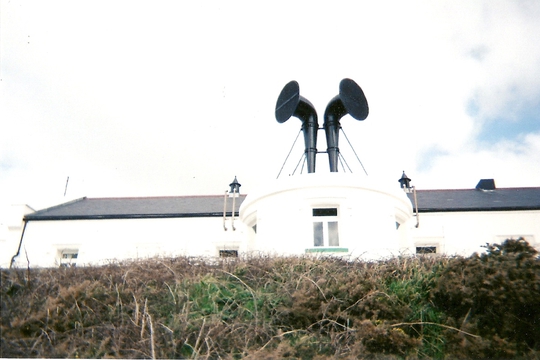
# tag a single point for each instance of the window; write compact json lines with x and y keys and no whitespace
{"x":68,"y":258}
{"x":325,"y":212}
{"x":325,"y":227}
{"x":424,"y":250}
{"x":228,"y":253}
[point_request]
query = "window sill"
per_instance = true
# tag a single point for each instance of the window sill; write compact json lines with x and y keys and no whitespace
{"x":326,"y":250}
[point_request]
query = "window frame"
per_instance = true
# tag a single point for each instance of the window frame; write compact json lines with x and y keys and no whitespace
{"x":228,"y":253}
{"x":325,"y":220}
{"x":426,"y":250}
{"x":68,"y":257}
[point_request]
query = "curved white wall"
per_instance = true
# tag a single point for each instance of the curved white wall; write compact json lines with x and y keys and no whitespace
{"x":367,"y":213}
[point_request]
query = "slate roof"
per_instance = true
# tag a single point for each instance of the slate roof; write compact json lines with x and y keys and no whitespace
{"x":501,"y":199}
{"x":140,"y":207}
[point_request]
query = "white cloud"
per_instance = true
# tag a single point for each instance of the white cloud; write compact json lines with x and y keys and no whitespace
{"x":176,"y":98}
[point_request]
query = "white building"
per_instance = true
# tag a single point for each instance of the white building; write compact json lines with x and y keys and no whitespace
{"x":330,"y":213}
{"x":462,"y":221}
{"x":100,"y":230}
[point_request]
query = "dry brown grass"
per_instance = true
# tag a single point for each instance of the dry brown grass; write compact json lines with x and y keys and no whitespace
{"x":256,"y":307}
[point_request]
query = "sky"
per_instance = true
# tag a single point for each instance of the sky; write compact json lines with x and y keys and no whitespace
{"x":166,"y":98}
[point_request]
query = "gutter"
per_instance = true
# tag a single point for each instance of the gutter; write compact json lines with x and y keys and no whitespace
{"x":126,"y":216}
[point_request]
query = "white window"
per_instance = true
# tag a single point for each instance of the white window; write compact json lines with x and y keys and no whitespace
{"x":68,"y":257}
{"x":325,"y":227}
{"x":228,"y":253}
{"x":429,"y":246}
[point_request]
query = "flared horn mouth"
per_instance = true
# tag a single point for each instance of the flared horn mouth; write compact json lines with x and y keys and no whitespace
{"x":353,"y":99}
{"x":350,"y":100}
{"x":287,"y":101}
{"x":290,"y":103}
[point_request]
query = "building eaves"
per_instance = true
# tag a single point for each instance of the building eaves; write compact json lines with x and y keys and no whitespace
{"x":138,"y":208}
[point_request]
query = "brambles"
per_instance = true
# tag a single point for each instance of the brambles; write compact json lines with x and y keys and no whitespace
{"x":282,"y":307}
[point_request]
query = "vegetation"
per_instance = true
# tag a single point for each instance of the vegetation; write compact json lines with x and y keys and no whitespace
{"x":483,"y":306}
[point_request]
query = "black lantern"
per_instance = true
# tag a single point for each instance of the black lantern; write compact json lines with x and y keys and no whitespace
{"x":405,"y":182}
{"x":235,"y":187}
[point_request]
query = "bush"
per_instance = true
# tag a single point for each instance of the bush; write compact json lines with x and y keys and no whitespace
{"x":283,"y":307}
{"x":495,"y":295}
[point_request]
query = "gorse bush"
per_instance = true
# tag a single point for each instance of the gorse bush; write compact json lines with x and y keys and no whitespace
{"x":495,"y":295}
{"x":279,"y":307}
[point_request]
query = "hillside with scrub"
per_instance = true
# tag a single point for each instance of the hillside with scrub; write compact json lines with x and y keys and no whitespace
{"x":261,"y":307}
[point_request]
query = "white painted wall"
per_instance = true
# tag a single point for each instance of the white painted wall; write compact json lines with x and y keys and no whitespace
{"x":101,"y":241}
{"x":367,"y":215}
{"x":463,"y":233}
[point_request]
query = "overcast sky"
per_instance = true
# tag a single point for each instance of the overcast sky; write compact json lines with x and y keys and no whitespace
{"x":146,"y":98}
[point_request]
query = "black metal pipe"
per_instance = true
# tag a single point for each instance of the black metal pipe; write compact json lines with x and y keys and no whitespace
{"x":351,"y":100}
{"x":334,"y":112}
{"x":290,"y":103}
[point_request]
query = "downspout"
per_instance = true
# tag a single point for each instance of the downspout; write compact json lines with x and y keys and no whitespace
{"x":233,"y":208}
{"x":20,"y":244}
{"x":416,"y":207}
{"x":225,"y":211}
